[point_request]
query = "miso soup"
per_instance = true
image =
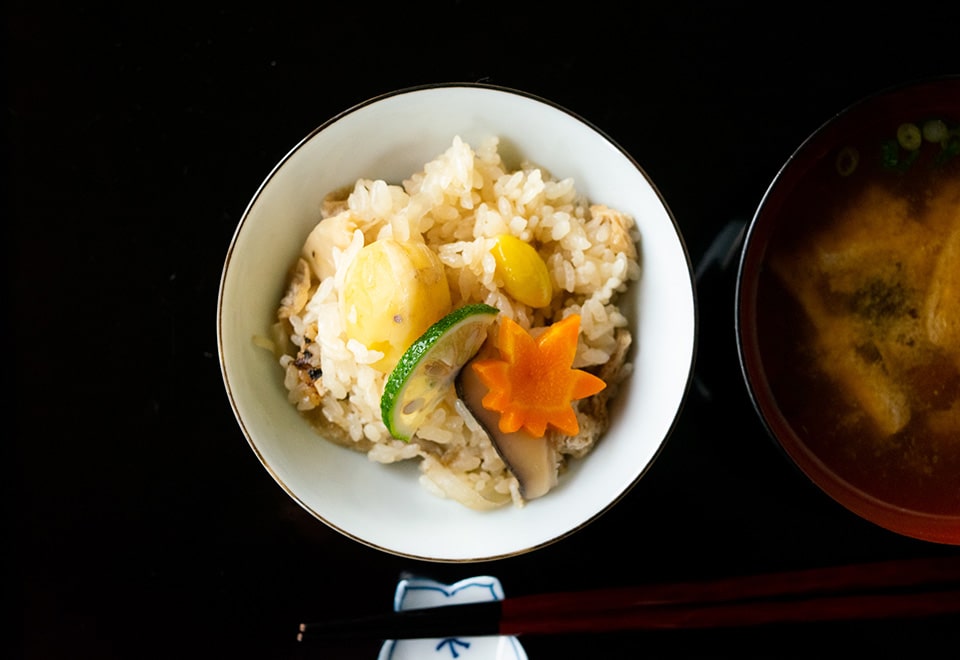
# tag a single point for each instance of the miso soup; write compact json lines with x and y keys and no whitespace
{"x":859,"y":326}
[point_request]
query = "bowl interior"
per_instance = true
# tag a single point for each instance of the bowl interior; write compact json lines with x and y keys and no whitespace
{"x":389,"y":138}
{"x":903,"y":478}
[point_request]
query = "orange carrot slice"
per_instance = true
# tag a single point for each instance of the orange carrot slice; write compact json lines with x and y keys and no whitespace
{"x":533,"y":385}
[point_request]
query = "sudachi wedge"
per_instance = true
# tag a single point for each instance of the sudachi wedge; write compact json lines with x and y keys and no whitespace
{"x":427,"y":369}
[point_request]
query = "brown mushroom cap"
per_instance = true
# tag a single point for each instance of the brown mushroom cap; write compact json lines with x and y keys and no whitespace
{"x":532,"y":460}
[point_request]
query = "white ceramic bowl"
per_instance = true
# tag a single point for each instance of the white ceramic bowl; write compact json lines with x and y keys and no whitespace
{"x":390,"y":137}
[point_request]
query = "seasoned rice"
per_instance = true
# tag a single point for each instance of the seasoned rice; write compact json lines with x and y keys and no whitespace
{"x":458,"y":204}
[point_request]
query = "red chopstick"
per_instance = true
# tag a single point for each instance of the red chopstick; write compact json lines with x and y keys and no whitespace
{"x":742,"y":614}
{"x":845,"y":579}
{"x":881,"y":590}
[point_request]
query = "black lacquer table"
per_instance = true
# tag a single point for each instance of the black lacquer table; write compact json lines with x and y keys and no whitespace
{"x":141,"y":525}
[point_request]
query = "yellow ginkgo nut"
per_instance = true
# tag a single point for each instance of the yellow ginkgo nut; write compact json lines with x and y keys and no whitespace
{"x":524,"y":272}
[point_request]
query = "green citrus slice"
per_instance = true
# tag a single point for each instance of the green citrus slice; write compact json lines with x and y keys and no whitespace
{"x":428,"y":368}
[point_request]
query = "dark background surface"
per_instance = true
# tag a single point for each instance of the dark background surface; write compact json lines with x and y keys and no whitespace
{"x":140,"y":524}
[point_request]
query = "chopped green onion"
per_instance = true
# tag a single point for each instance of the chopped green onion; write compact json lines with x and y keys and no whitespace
{"x":890,"y":153}
{"x":909,"y":136}
{"x":934,"y":130}
{"x":847,"y":161}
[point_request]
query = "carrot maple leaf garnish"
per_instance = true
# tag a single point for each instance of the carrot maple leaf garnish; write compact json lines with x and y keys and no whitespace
{"x":534,"y":384}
